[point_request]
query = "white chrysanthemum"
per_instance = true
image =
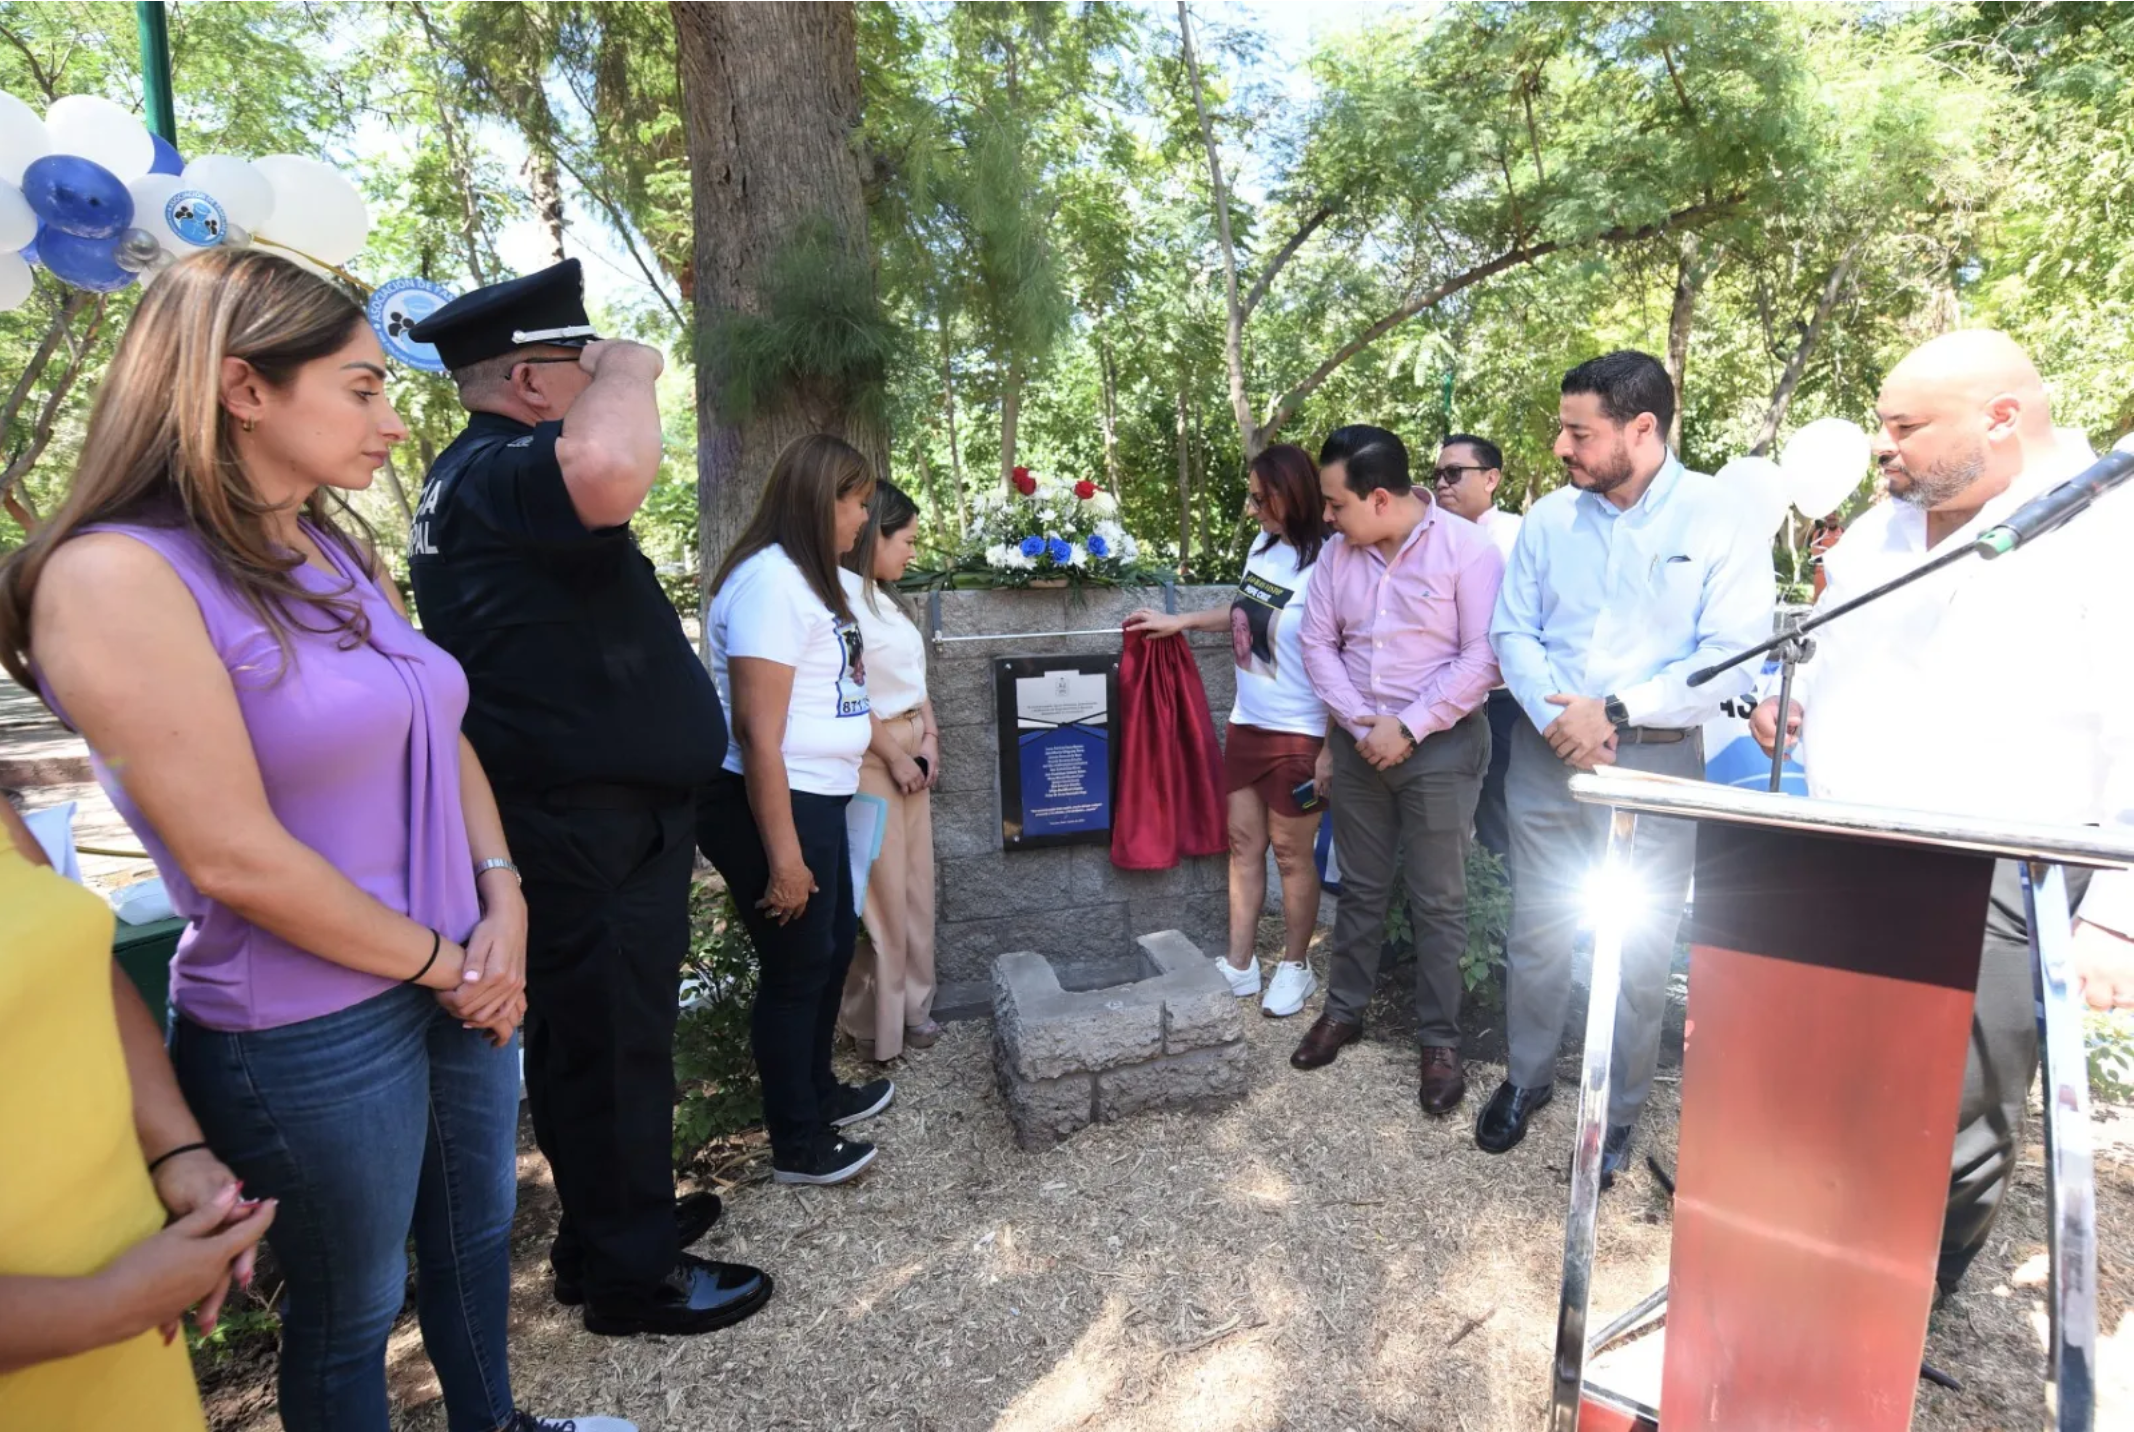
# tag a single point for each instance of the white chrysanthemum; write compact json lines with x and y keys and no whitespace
{"x":1077,"y":555}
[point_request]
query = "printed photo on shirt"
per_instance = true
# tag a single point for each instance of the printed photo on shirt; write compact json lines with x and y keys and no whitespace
{"x":1253,"y":617}
{"x":852,"y":673}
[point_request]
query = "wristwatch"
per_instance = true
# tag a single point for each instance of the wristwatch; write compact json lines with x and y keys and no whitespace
{"x":497,"y":863}
{"x":1406,"y":732}
{"x":1617,"y":713}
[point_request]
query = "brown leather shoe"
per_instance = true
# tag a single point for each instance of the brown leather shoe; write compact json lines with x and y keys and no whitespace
{"x":1323,"y":1041}
{"x":1444,"y":1081}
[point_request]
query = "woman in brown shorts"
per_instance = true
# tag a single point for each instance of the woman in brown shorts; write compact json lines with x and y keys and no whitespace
{"x":1277,"y":735}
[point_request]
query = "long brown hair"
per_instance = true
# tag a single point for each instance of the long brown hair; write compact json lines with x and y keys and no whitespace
{"x":798,"y":511}
{"x":1291,"y":479}
{"x":160,"y":446}
{"x":889,"y":512}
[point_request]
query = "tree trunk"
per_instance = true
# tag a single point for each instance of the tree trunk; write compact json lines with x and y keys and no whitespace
{"x":1248,"y":431}
{"x":470,"y":231}
{"x":926,"y":484}
{"x":1108,"y":413}
{"x":1690,"y":275}
{"x":400,"y":494}
{"x":544,"y":185}
{"x":23,"y":460}
{"x":771,"y":104}
{"x":948,"y":407}
{"x":1011,"y":406}
{"x":1790,"y":377}
{"x":1185,"y":494}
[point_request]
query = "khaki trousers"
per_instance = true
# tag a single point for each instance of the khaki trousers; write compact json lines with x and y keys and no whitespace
{"x":890,"y":986}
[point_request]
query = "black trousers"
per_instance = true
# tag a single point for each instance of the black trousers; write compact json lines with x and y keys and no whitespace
{"x":1492,"y":825}
{"x":1997,"y":1075}
{"x":801,"y":964}
{"x":607,"y":903}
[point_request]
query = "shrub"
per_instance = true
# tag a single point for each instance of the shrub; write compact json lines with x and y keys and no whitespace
{"x":714,"y":1068}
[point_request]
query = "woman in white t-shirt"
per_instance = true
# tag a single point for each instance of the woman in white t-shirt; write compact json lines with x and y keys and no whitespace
{"x":1276,"y":740}
{"x":787,"y":658}
{"x":889,"y":995}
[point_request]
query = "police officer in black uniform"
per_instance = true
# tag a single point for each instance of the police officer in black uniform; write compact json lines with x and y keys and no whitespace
{"x":596,"y":721}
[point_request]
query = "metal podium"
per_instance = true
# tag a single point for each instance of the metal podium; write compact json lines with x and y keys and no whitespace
{"x":1835,"y":952}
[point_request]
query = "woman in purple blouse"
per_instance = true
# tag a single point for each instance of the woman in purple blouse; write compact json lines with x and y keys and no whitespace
{"x":206,"y":610}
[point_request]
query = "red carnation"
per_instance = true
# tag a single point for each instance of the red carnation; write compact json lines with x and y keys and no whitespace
{"x":1085,"y":489}
{"x":1025,"y":483}
{"x":1020,"y":473}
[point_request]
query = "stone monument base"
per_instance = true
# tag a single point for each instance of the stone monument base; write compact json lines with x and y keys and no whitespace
{"x":1172,"y":1039}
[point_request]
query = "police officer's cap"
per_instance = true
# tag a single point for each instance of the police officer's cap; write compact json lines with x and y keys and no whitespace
{"x":545,"y":307}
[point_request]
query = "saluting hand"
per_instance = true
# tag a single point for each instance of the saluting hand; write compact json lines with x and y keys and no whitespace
{"x":595,"y":356}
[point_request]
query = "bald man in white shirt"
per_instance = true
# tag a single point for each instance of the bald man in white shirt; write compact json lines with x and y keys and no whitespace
{"x":1996,"y":689}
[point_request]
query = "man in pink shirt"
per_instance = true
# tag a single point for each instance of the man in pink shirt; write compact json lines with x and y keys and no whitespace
{"x":1396,"y":642}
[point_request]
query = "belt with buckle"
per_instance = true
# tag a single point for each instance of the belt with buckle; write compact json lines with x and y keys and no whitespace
{"x":1650,"y":735}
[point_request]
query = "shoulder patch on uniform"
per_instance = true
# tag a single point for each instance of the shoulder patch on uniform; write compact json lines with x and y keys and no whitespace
{"x":526,"y":441}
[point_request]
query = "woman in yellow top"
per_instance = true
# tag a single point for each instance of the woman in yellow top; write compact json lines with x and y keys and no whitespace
{"x":99,"y":1147}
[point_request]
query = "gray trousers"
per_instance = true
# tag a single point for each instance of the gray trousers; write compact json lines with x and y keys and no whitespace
{"x":2003,"y":1060}
{"x":1412,"y":821}
{"x":1556,"y":844}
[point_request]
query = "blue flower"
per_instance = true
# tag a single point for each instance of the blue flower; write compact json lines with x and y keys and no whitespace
{"x":1033,"y":546}
{"x":1098,"y":547}
{"x":1059,"y":550}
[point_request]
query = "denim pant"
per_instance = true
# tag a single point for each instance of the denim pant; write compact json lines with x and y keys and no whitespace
{"x":368,"y":1123}
{"x":801,"y":965}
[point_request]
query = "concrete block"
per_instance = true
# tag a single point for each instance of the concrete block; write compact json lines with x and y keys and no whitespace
{"x":1204,"y":919}
{"x":966,"y":823}
{"x":1089,"y":937}
{"x":1202,"y":1079}
{"x":961,"y":688}
{"x":1027,"y":882}
{"x":1043,"y":1111}
{"x":1094,"y":877}
{"x":1046,"y":1032}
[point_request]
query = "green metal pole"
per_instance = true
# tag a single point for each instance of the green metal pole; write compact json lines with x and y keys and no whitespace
{"x":154,"y":26}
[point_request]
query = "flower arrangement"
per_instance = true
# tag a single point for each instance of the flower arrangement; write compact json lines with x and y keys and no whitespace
{"x":1045,"y":530}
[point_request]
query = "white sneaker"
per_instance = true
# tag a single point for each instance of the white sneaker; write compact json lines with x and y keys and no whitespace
{"x":527,"y":1422}
{"x":1286,"y":992}
{"x":1244,"y":983}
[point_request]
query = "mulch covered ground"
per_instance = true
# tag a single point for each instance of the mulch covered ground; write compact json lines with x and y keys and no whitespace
{"x":1321,"y":1256}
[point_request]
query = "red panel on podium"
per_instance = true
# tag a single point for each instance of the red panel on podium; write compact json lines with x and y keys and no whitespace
{"x":1829,"y":1012}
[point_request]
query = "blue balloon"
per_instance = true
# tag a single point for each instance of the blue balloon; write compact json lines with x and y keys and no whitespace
{"x":84,"y":263}
{"x":167,"y":160}
{"x":77,"y":196}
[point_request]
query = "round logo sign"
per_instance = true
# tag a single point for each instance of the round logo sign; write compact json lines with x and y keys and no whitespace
{"x":195,"y":218}
{"x":395,"y":308}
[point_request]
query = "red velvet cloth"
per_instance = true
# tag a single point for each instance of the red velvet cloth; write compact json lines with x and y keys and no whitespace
{"x":1170,"y":800}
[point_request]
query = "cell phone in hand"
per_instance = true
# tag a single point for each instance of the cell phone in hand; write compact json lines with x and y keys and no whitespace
{"x":1307,"y":797}
{"x":920,"y":762}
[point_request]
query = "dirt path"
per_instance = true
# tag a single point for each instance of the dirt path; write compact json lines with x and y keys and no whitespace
{"x":1322,"y":1256}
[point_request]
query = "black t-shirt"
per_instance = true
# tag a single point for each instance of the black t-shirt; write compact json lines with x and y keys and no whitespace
{"x":578,"y":666}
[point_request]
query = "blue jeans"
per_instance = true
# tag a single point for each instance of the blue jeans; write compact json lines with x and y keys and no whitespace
{"x":369,"y":1123}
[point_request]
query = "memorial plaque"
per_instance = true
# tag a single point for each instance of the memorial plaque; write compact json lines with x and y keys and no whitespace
{"x":1056,"y":753}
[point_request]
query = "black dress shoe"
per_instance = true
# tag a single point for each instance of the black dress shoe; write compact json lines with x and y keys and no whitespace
{"x":697,"y":1297}
{"x":1615,"y":1153}
{"x":694,"y":1213}
{"x":1504,"y":1117}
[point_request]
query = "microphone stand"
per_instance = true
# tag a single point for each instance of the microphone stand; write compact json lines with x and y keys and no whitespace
{"x":1794,"y":647}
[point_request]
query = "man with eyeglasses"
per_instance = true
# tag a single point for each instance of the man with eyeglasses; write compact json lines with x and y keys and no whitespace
{"x":596,"y":722}
{"x":1465,"y":481}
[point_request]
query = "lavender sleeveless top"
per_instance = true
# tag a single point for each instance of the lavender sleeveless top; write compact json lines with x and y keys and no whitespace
{"x":359,"y":751}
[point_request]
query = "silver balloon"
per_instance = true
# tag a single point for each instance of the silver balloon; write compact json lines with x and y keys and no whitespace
{"x":136,"y":250}
{"x":237,"y":236}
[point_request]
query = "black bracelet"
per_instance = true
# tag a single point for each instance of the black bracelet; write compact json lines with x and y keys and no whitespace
{"x":436,"y":943}
{"x":163,"y":1158}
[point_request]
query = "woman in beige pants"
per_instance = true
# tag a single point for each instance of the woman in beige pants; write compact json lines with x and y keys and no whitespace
{"x":889,"y":994}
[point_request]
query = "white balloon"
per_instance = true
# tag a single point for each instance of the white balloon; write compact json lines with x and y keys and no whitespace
{"x":99,"y":130}
{"x":151,"y":195}
{"x":236,"y":184}
{"x":23,"y":138}
{"x":316,"y":210}
{"x":16,"y":281}
{"x":1823,"y":463}
{"x":1762,"y":487}
{"x":18,"y":221}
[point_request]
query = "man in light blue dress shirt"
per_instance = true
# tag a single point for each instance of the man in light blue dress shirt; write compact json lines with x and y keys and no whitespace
{"x":1620,"y":585}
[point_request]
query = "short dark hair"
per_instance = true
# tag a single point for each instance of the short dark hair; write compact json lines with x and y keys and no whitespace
{"x":1627,"y":383}
{"x":1490,"y":454}
{"x":1371,"y":458}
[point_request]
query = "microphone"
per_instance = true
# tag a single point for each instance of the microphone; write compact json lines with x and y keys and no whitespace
{"x":2053,"y":509}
